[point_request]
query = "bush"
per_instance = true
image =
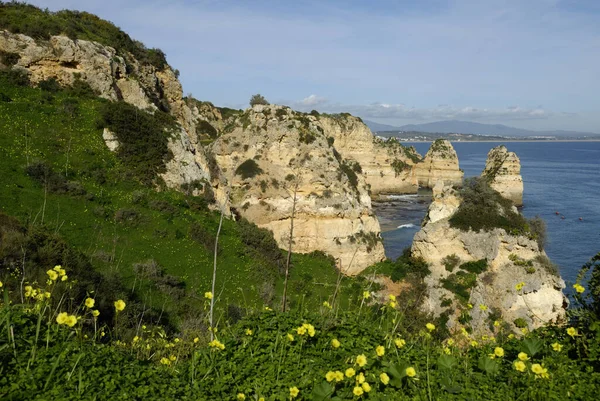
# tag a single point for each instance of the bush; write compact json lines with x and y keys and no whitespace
{"x":205,"y":129}
{"x":482,"y":208}
{"x":399,"y":166}
{"x":476,"y":267}
{"x":258,"y":99}
{"x":143,"y":140}
{"x":459,"y":284}
{"x":248,"y":169}
{"x":9,"y":59}
{"x":200,"y":235}
{"x":15,"y":77}
{"x":537,"y":226}
{"x":260,"y":241}
{"x":50,"y":85}
{"x":450,"y":262}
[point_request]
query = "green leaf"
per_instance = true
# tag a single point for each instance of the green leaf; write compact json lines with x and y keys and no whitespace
{"x":322,"y":391}
{"x":532,"y":346}
{"x":488,"y":365}
{"x":446,"y":362}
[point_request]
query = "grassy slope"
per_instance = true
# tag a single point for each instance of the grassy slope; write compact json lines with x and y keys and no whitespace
{"x":33,"y":130}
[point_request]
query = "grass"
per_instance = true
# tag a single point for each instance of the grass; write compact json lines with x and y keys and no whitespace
{"x":38,"y":130}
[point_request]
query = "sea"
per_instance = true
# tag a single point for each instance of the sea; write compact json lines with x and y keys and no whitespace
{"x":561,"y":185}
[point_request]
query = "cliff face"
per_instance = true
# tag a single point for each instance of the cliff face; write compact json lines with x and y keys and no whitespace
{"x":491,"y":284}
{"x":115,"y":77}
{"x":503,"y":172}
{"x":387,"y":166}
{"x":439,"y":164}
{"x":273,"y":152}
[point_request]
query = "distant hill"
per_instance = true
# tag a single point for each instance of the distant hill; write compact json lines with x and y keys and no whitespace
{"x":467,"y":127}
{"x":376,"y":127}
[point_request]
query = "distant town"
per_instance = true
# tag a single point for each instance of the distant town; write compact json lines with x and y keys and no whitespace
{"x":418,"y":136}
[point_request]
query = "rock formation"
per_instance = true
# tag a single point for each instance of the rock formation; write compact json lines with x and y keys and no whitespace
{"x":387,"y":166}
{"x":439,"y":164}
{"x":272,"y":152}
{"x":503,"y":172}
{"x":492,"y":283}
{"x":117,"y":77}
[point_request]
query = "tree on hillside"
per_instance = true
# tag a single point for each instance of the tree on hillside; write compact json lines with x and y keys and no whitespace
{"x":258,"y":99}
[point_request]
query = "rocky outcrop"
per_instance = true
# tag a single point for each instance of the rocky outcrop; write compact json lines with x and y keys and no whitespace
{"x":439,"y":164}
{"x":503,"y":172}
{"x":273,"y":155}
{"x":118,"y":77}
{"x":508,"y":277}
{"x":387,"y":166}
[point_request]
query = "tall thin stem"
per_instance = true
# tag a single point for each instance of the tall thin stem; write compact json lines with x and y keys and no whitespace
{"x":289,"y":253}
{"x":214,"y":277}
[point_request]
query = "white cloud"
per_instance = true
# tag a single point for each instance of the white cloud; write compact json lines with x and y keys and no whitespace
{"x":313,"y":100}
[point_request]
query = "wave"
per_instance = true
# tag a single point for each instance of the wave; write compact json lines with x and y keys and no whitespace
{"x":397,"y":197}
{"x":406,"y":226}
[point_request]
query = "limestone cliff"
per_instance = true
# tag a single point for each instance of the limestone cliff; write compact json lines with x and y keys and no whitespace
{"x":115,"y":77}
{"x":387,"y":166}
{"x":272,"y":152}
{"x":439,"y":164}
{"x":486,"y":270}
{"x":503,"y":172}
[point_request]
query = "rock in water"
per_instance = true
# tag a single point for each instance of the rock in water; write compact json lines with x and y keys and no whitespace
{"x":503,"y":172}
{"x":479,"y":277}
{"x":439,"y":164}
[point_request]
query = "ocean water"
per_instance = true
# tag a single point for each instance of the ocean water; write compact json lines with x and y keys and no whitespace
{"x":561,"y":177}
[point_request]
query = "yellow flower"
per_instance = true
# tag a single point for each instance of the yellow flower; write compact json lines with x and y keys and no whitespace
{"x":172,"y":358}
{"x":557,"y":347}
{"x":29,"y":291}
{"x":483,"y":307}
{"x":310,"y":329}
{"x":1,"y":284}
{"x":496,"y":323}
{"x":470,"y":305}
{"x":523,"y":356}
{"x":366,"y":295}
{"x":52,"y":274}
{"x":411,"y":372}
{"x":358,"y":391}
{"x":539,"y":370}
{"x":241,"y":396}
{"x":119,"y":305}
{"x":474,"y":343}
{"x":62,"y":318}
{"x":261,"y":399}
{"x":392,"y":297}
{"x":327,"y":305}
{"x":430,"y":326}
{"x":339,"y":376}
{"x":95,"y":313}
{"x":366,"y":386}
{"x":208,"y":295}
{"x":165,"y":361}
{"x":511,"y":336}
{"x":400,"y":342}
{"x":176,"y":340}
{"x":301,"y":330}
{"x":447,"y":351}
{"x":450,"y":342}
{"x":380,"y":350}
{"x":89,"y":303}
{"x":64,"y":278}
{"x":248,"y":332}
{"x":393,"y":304}
{"x":385,"y":379}
{"x":330,"y":376}
{"x":335,"y":343}
{"x":519,"y":365}
{"x":136,"y":339}
{"x":572,"y":331}
{"x":360,"y":379}
{"x":361,"y":360}
{"x":579,"y":288}
{"x":290,"y":337}
{"x":350,"y":372}
{"x":499,"y":352}
{"x":216,"y":344}
{"x":294,"y":392}
{"x":71,"y":320}
{"x":196,"y":340}
{"x":519,"y":286}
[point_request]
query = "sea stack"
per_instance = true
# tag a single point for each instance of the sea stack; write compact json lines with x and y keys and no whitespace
{"x":439,"y":164}
{"x":486,"y":275}
{"x":503,"y":172}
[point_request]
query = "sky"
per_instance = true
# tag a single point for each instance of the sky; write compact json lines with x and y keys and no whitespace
{"x":531,"y":64}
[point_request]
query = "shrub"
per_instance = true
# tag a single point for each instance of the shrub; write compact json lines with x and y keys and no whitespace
{"x":537,"y":226}
{"x":143,"y":142}
{"x":399,"y":166}
{"x":482,"y":208}
{"x":9,"y":59}
{"x":260,"y":241}
{"x":50,"y":85}
{"x":205,"y":129}
{"x":450,"y":262}
{"x":258,"y":99}
{"x":248,"y":169}
{"x":476,"y":267}
{"x":459,"y":284}
{"x":200,"y":235}
{"x":348,"y":168}
{"x":15,"y":77}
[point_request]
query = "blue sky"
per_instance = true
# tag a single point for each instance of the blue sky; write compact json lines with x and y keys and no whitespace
{"x":526,"y":63}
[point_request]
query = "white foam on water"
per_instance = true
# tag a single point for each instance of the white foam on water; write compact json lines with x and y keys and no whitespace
{"x":406,"y":226}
